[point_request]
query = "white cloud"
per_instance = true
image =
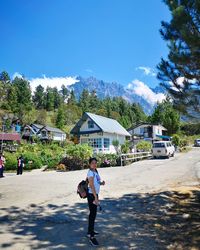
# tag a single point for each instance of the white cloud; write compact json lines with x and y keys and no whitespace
{"x":52,"y":81}
{"x":141,"y":89}
{"x":180,"y":82}
{"x":147,"y":70}
{"x":17,"y":74}
{"x":89,"y":71}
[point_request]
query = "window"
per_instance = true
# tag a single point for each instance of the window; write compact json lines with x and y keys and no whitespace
{"x":44,"y":133}
{"x":90,"y":124}
{"x":84,"y":140}
{"x":106,"y":142}
{"x":159,"y":145}
{"x":141,"y":130}
{"x":95,"y":142}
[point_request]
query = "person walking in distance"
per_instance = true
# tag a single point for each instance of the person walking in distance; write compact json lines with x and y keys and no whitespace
{"x":94,"y":182}
{"x":20,"y":165}
{"x":2,"y":165}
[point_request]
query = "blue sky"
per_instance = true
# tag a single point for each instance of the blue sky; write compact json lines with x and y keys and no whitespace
{"x":109,"y":39}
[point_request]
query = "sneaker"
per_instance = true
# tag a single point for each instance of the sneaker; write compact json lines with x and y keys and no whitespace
{"x":94,"y":242}
{"x":95,"y":233}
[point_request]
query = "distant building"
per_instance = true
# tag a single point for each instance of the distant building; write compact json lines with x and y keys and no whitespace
{"x":43,"y":132}
{"x":148,"y":132}
{"x":99,"y":132}
{"x":10,"y":137}
{"x":9,"y":141}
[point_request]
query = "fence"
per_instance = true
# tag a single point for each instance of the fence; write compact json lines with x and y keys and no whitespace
{"x":134,"y":156}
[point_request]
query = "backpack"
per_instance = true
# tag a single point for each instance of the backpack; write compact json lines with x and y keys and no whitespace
{"x":82,"y":189}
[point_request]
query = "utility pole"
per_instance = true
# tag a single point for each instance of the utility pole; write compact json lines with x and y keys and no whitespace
{"x":3,"y":129}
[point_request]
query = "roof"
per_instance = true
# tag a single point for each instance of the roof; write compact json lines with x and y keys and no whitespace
{"x":10,"y":137}
{"x":164,"y":136}
{"x":48,"y":128}
{"x":105,"y":124}
{"x":146,"y":124}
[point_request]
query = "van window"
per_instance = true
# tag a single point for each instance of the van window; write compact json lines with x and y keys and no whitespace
{"x":159,"y":145}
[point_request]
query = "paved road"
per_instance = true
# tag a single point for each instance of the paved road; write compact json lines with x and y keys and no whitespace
{"x":40,"y":210}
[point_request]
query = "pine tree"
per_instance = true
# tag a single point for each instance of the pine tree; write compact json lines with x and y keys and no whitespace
{"x":4,"y":77}
{"x":93,"y":101}
{"x":64,"y":93}
{"x":180,"y":73}
{"x":39,"y":97}
{"x":84,"y":100}
{"x":12,"y":98}
{"x":166,"y":115}
{"x":23,"y":95}
{"x":60,"y":119}
{"x":72,"y":98}
{"x":57,"y":98}
{"x":49,"y":99}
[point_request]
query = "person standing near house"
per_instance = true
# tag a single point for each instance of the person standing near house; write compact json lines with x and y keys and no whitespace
{"x":94,"y":181}
{"x":20,"y":165}
{"x":2,"y":165}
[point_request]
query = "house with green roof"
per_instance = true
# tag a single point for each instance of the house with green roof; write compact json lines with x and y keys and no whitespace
{"x":99,"y":132}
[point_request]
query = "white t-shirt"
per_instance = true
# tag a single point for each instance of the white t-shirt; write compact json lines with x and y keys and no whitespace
{"x":97,"y":181}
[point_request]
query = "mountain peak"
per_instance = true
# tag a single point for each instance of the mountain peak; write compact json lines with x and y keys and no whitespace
{"x":113,"y":89}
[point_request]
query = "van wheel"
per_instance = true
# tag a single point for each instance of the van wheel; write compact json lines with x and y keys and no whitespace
{"x":155,"y":157}
{"x":168,"y":156}
{"x":173,"y":155}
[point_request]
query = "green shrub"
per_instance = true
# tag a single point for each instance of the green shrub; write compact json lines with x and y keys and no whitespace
{"x":115,"y":143}
{"x":77,"y":156}
{"x":125,"y":147}
{"x":106,"y":160}
{"x":176,"y":140}
{"x":11,"y":161}
{"x":144,"y":146}
{"x":73,"y":163}
{"x":53,"y":162}
{"x":183,"y":142}
{"x":31,"y":160}
{"x":80,"y":151}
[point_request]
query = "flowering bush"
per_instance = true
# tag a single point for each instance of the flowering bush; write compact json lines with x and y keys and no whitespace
{"x":107,"y":160}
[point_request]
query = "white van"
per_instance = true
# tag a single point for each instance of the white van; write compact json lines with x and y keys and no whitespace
{"x":163,"y":149}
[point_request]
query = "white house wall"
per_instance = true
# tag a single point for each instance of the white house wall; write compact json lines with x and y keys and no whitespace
{"x":84,"y":126}
{"x":59,"y":137}
{"x":157,"y":130}
{"x":136,"y":131}
{"x":120,"y":138}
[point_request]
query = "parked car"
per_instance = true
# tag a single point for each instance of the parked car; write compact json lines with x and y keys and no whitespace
{"x":163,"y":149}
{"x":197,"y":143}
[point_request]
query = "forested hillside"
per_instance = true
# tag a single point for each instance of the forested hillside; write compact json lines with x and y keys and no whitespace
{"x":60,"y":108}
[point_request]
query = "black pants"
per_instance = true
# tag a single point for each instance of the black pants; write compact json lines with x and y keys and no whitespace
{"x":19,"y":170}
{"x":92,"y":215}
{"x":1,"y":172}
